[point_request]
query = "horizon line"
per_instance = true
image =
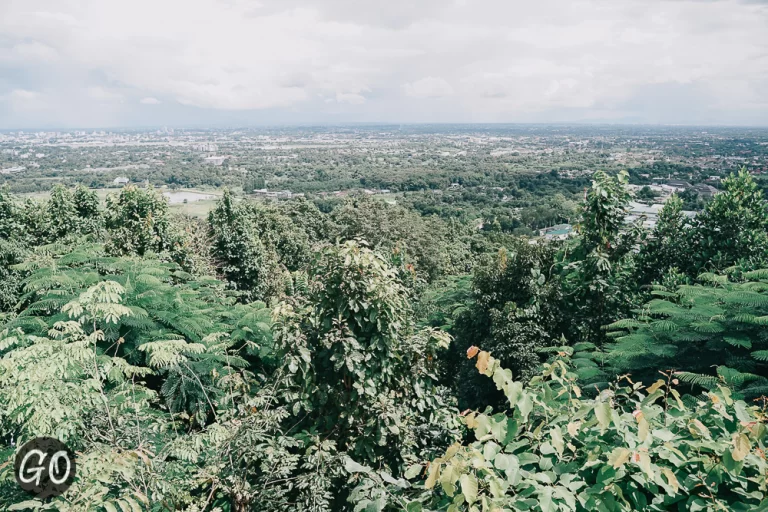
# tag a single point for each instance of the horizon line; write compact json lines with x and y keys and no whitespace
{"x":215,"y":126}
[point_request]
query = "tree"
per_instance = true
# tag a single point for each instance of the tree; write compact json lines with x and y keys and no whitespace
{"x":61,"y":213}
{"x":667,"y":246}
{"x":428,"y":244}
{"x":86,"y":201}
{"x":365,"y":377}
{"x":11,"y":219}
{"x":138,"y":222}
{"x":629,"y":448}
{"x":238,"y":252}
{"x":646,"y":193}
{"x":597,"y":279}
{"x":281,"y":235}
{"x":516,"y":312}
{"x":733,"y":227}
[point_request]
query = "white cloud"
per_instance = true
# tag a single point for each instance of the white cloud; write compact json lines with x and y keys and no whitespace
{"x":149,"y":100}
{"x":351,"y":98}
{"x":102,"y":94}
{"x":495,"y":60}
{"x":24,"y":101}
{"x":429,"y":87}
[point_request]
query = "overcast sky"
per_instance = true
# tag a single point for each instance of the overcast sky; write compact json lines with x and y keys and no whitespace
{"x":111,"y":63}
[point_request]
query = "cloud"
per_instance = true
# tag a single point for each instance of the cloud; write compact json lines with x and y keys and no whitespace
{"x":429,"y":87}
{"x":149,"y":100}
{"x":101,"y":94}
{"x":351,"y":98}
{"x":23,"y":102}
{"x":345,"y":60}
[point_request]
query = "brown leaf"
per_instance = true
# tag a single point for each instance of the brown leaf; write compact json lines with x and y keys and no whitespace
{"x":482,"y":361}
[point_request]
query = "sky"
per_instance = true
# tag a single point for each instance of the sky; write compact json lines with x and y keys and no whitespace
{"x":121,"y":63}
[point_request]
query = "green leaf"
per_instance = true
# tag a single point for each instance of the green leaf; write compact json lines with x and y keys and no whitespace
{"x":27,"y":504}
{"x":545,"y":500}
{"x":469,"y":488}
{"x":741,"y":412}
{"x":413,"y":506}
{"x":603,"y":413}
{"x":353,"y":467}
{"x":525,"y":404}
{"x":557,"y":440}
{"x":413,"y":471}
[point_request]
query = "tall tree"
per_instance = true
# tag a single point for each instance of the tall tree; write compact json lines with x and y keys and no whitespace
{"x":239,"y":253}
{"x":733,"y":227}
{"x":667,"y":247}
{"x":598,"y":284}
{"x":138,"y":222}
{"x":365,"y":376}
{"x":515,"y":313}
{"x":61,"y":213}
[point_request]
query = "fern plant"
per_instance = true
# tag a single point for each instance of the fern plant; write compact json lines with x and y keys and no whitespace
{"x":189,"y":330}
{"x":712,"y":333}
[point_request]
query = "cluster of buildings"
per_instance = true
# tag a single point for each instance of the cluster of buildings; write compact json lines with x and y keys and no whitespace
{"x":648,"y":214}
{"x":275,"y":194}
{"x":704,"y":190}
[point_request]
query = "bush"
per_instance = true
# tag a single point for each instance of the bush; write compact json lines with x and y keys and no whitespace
{"x":629,"y":448}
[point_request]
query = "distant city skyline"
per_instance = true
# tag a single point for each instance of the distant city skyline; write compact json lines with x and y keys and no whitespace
{"x":91,"y":64}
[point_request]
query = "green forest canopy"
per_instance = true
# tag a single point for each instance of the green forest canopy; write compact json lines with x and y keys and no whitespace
{"x":368,"y":357}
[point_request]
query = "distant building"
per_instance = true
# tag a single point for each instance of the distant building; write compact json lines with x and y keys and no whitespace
{"x":208,"y":147}
{"x":678,"y":185}
{"x":648,"y":213}
{"x":121,"y":181}
{"x":215,"y":160}
{"x":558,"y":232}
{"x":274,"y":194}
{"x":705,"y":190}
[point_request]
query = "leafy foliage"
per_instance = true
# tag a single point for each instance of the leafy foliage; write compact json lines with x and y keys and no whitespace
{"x":667,"y":246}
{"x":629,"y":448}
{"x":732,"y":227}
{"x":712,"y":331}
{"x":138,"y":222}
{"x":184,"y":391}
{"x":238,"y":251}
{"x":362,"y":373}
{"x":515,"y":313}
{"x":598,"y":271}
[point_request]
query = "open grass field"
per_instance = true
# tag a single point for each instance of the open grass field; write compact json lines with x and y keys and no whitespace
{"x":193,"y":208}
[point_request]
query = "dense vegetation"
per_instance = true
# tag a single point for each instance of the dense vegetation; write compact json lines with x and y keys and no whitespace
{"x":302,"y":355}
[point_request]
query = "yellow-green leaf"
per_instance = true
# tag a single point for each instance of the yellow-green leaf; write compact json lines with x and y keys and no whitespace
{"x":603,"y":413}
{"x":469,"y":488}
{"x":618,"y":457}
{"x":642,"y":429}
{"x":655,"y":386}
{"x":557,"y":440}
{"x":434,"y":473}
{"x":671,"y":479}
{"x":741,"y":447}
